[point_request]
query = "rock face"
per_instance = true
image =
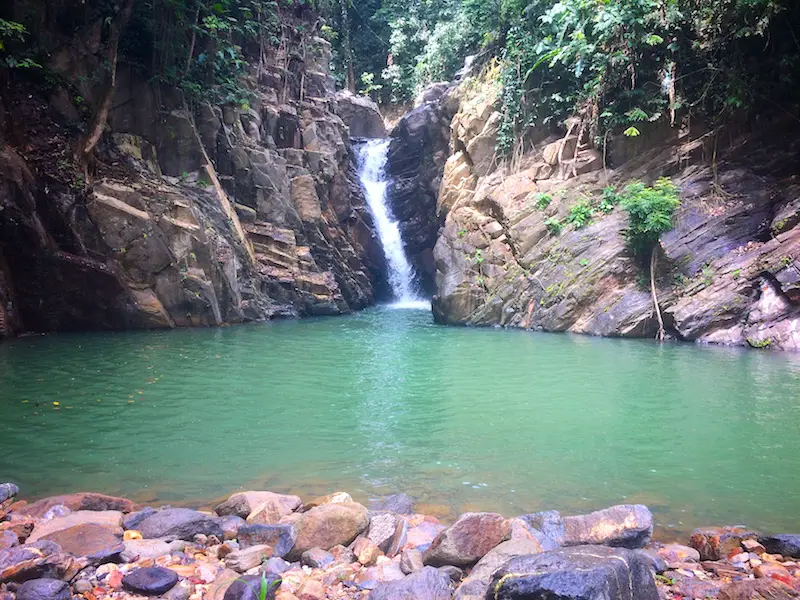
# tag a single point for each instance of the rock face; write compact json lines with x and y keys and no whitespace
{"x":468,"y":540}
{"x":585,"y":573}
{"x":211,"y":216}
{"x":361,"y":115}
{"x":416,"y":158}
{"x":506,"y":253}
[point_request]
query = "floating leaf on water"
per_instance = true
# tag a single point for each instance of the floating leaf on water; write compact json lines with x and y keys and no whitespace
{"x":56,"y":403}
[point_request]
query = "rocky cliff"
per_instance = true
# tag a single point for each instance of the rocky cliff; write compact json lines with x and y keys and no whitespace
{"x":191,"y":215}
{"x":729,"y":272}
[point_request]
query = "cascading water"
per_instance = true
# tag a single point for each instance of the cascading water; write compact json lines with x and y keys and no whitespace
{"x":372,"y":156}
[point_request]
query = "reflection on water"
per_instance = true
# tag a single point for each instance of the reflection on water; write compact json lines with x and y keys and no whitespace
{"x":386,"y":401}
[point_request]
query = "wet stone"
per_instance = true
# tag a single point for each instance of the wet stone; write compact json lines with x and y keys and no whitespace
{"x":426,"y":584}
{"x":150,"y":581}
{"x":44,"y":589}
{"x":317,"y":558}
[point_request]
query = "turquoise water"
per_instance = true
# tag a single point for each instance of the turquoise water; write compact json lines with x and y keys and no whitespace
{"x":386,"y":401}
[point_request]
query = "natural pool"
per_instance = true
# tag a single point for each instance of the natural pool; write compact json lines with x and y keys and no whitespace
{"x":386,"y":401}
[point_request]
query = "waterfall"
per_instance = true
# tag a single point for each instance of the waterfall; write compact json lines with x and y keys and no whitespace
{"x":372,"y":157}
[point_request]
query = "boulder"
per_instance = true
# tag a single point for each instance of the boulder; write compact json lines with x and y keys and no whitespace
{"x":150,"y":581}
{"x":328,"y":525}
{"x":475,"y":585}
{"x":758,"y":589}
{"x":626,"y":526}
{"x":8,"y":539}
{"x":468,"y":540}
{"x":247,"y":558}
{"x":382,"y":530}
{"x":282,"y":538}
{"x":787,"y":544}
{"x":179,"y":523}
{"x":38,"y":560}
{"x":773,"y":571}
{"x":230,"y":526}
{"x":78,"y":502}
{"x":426,"y":584}
{"x":7,"y":491}
{"x":421,"y":536}
{"x":401,"y":504}
{"x":582,"y":573}
{"x":454,"y":573}
{"x":317,"y":558}
{"x":249,"y":587}
{"x":562,"y":149}
{"x":715,"y":543}
{"x":275,"y":566}
{"x":134,"y":519}
{"x":110,"y":519}
{"x":546,"y":527}
{"x":98,"y":543}
{"x":44,"y":589}
{"x":242,"y":504}
{"x":361,"y":115}
{"x":343,"y":554}
{"x":677,"y":553}
{"x":334,"y":498}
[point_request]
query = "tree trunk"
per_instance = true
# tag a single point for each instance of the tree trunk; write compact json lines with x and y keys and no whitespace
{"x":100,"y":117}
{"x":653,"y":263}
{"x":348,"y":51}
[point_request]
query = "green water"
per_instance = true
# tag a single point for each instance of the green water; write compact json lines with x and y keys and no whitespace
{"x":386,"y":401}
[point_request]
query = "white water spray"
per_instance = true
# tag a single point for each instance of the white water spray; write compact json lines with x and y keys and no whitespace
{"x":372,"y":164}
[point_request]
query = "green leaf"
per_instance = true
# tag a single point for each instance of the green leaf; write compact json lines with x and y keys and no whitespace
{"x":631,"y":132}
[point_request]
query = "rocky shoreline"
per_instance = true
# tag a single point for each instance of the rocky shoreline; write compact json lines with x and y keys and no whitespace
{"x":258,"y":545}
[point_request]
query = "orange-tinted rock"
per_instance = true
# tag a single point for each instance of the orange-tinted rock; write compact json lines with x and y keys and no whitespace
{"x":33,"y":561}
{"x":311,"y":590}
{"x":97,"y":542}
{"x":773,"y":571}
{"x":758,"y":589}
{"x":676,"y":554}
{"x":80,"y":501}
{"x":715,"y":543}
{"x":468,"y":540}
{"x":366,"y":551}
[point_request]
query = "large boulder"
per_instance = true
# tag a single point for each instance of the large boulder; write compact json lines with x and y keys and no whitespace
{"x":388,"y":531}
{"x":474,"y":587}
{"x":329,"y":525}
{"x":80,"y":501}
{"x":426,"y":584}
{"x":243,"y":504}
{"x":108,"y":519}
{"x":626,"y":526}
{"x":758,"y":589}
{"x":7,"y":490}
{"x":546,"y":527}
{"x":38,"y":560}
{"x":98,"y":543}
{"x":468,"y":540}
{"x":44,"y":589}
{"x":580,"y":573}
{"x":179,"y":523}
{"x":787,"y":544}
{"x":361,"y":115}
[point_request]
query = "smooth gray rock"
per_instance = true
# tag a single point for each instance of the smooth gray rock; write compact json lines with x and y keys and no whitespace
{"x":426,"y":584}
{"x":179,"y":523}
{"x":249,"y":586}
{"x":44,"y":589}
{"x":150,"y":581}
{"x":134,"y":519}
{"x":8,"y":490}
{"x":579,"y":573}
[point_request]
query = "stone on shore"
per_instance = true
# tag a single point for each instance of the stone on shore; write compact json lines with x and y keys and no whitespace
{"x":400,"y":504}
{"x":546,"y":527}
{"x":343,"y":554}
{"x":37,"y":560}
{"x":317,"y":558}
{"x":366,"y":551}
{"x":248,"y":558}
{"x":328,"y":525}
{"x":150,"y":581}
{"x":8,"y":539}
{"x":230,"y":526}
{"x":98,"y":543}
{"x":715,"y":543}
{"x":179,"y":523}
{"x":249,"y":586}
{"x":334,"y":498}
{"x":282,"y":538}
{"x":134,"y":519}
{"x":626,"y":526}
{"x":475,"y":585}
{"x":421,"y":536}
{"x":110,"y":519}
{"x":44,"y":589}
{"x":426,"y":584}
{"x":468,"y":540}
{"x":786,"y":544}
{"x":242,"y":504}
{"x":150,"y":549}
{"x":275,"y":566}
{"x":675,"y":554}
{"x":80,"y":502}
{"x":411,"y":561}
{"x":580,"y":573}
{"x":758,"y":589}
{"x":7,"y":491}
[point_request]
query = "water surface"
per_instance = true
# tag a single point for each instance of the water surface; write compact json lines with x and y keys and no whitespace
{"x":386,"y":401}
